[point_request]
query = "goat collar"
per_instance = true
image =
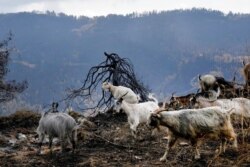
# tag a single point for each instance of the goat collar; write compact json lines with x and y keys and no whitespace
{"x":123,"y":95}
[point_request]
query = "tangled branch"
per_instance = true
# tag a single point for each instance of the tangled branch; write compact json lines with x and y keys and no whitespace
{"x":114,"y":69}
{"x":8,"y":89}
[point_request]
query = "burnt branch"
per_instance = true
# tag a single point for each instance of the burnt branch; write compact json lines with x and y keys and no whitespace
{"x":114,"y":69}
{"x":8,"y":89}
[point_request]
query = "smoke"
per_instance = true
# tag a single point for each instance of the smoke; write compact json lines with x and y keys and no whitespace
{"x":17,"y":104}
{"x":228,"y":58}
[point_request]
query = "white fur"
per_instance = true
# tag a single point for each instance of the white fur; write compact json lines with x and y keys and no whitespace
{"x":136,"y":113}
{"x":57,"y":125}
{"x":195,"y":125}
{"x":206,"y":81}
{"x":120,"y":91}
{"x":208,"y":78}
{"x":241,"y":105}
{"x":152,"y":98}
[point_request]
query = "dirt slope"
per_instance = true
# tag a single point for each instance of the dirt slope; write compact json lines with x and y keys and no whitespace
{"x":108,"y":143}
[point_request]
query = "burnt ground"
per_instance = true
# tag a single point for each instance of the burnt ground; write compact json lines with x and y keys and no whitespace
{"x":108,"y":143}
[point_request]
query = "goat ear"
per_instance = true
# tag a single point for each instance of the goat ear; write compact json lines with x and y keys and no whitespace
{"x":120,"y":100}
{"x":198,"y":90}
{"x":234,"y":78}
{"x":243,"y":62}
{"x":57,"y":105}
{"x":193,"y":99}
{"x":155,"y":115}
{"x":172,"y":97}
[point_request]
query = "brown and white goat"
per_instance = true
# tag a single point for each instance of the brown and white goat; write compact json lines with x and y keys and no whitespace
{"x":180,"y":102}
{"x":241,"y":105}
{"x":195,"y":125}
{"x":246,"y":73}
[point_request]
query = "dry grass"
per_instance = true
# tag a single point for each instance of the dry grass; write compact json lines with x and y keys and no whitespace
{"x":20,"y":119}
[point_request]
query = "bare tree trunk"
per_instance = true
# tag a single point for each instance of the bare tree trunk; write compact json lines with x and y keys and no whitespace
{"x":114,"y":69}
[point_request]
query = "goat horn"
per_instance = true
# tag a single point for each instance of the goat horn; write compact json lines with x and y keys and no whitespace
{"x":199,"y":77}
{"x":198,"y":90}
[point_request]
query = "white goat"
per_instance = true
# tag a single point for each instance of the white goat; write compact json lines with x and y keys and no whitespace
{"x":57,"y":125}
{"x":136,"y":113}
{"x":195,"y":125}
{"x":241,"y":105}
{"x":120,"y":91}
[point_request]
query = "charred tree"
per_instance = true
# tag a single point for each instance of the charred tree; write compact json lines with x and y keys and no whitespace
{"x":118,"y":71}
{"x":8,"y":89}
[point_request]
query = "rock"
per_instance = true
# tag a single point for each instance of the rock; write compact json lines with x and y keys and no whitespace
{"x":12,"y":142}
{"x":21,"y":137}
{"x":138,"y":157}
{"x":3,"y":140}
{"x":183,"y":144}
{"x":83,"y":122}
{"x":165,"y":138}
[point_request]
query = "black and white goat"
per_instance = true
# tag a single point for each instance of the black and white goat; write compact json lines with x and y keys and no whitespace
{"x":180,"y":102}
{"x":210,"y":82}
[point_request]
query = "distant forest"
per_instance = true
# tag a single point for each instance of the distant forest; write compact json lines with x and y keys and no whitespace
{"x":168,"y":49}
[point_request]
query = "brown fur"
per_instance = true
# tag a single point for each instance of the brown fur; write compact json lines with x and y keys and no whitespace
{"x":180,"y":101}
{"x":175,"y":122}
{"x":246,"y":73}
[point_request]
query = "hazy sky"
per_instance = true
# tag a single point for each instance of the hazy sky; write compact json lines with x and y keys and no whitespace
{"x":104,"y":7}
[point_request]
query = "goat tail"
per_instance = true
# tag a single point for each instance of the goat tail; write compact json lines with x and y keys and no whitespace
{"x":138,"y":96}
{"x":152,"y":98}
{"x":74,"y":133}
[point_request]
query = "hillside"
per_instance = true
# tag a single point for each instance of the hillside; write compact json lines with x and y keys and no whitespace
{"x":168,"y":49}
{"x":109,"y":143}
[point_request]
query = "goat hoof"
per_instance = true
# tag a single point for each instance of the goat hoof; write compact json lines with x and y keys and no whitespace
{"x":196,"y":157}
{"x":236,"y":149}
{"x":163,"y":159}
{"x":38,"y":153}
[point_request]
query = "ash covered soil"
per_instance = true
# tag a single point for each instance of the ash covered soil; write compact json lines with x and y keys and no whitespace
{"x":107,"y":142}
